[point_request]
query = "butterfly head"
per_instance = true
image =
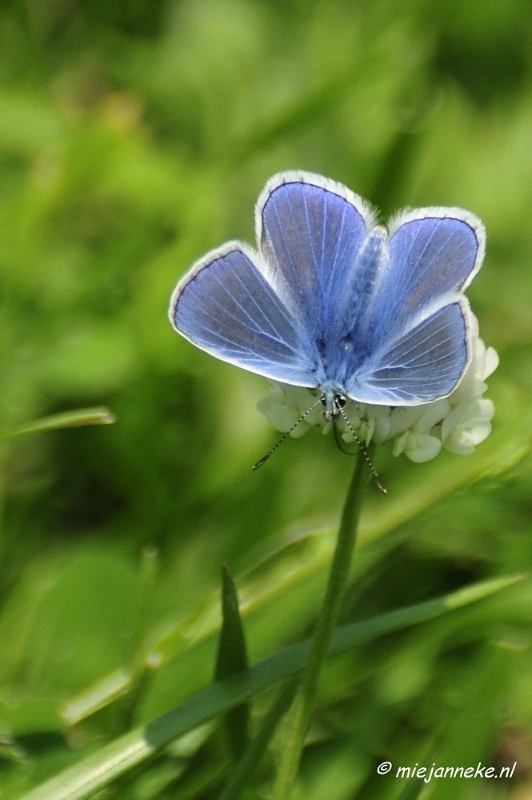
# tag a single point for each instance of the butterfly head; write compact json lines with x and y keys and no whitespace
{"x":333,"y":401}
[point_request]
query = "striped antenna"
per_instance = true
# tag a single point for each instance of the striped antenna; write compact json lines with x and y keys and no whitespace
{"x":340,"y":403}
{"x":284,"y":436}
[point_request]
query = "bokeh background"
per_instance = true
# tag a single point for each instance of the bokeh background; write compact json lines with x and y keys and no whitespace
{"x":134,"y":136}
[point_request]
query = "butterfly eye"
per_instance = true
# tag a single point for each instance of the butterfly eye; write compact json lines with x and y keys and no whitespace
{"x":340,"y":400}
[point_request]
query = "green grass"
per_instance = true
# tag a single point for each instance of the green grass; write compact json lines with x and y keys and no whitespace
{"x":134,"y":136}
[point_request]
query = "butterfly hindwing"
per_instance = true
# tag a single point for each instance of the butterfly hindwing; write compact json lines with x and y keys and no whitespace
{"x":416,"y":333}
{"x":424,"y":364}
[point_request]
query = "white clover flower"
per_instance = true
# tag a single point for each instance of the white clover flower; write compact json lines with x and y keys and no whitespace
{"x":457,"y":423}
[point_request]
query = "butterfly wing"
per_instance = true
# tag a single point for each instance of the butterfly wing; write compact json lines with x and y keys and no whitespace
{"x":266,"y":312}
{"x":310,"y":230}
{"x":225,"y":305}
{"x":329,"y":300}
{"x":416,"y":329}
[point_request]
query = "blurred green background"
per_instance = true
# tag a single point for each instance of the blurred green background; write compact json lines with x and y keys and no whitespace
{"x":134,"y":136}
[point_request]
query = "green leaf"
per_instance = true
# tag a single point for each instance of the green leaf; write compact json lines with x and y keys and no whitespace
{"x":68,"y":419}
{"x":232,"y":659}
{"x":232,"y":650}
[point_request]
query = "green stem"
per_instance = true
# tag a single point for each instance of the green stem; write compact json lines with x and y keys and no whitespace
{"x":301,"y":710}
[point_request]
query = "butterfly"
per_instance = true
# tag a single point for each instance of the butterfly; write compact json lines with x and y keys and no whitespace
{"x":332,"y":300}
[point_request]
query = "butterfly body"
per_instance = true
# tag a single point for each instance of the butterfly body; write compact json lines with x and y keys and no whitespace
{"x":334,"y":301}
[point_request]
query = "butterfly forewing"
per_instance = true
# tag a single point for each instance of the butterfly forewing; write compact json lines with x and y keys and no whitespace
{"x":310,"y":232}
{"x":432,"y":259}
{"x":226,"y":307}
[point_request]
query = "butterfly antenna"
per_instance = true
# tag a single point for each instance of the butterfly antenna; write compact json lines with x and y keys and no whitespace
{"x":285,"y":435}
{"x":363,"y":450}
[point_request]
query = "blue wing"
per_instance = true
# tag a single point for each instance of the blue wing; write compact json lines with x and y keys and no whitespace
{"x":310,"y":230}
{"x":414,"y":335}
{"x":225,"y":306}
{"x":433,"y":258}
{"x":424,"y":364}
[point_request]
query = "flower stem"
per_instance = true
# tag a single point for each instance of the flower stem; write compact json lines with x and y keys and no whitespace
{"x":303,"y":704}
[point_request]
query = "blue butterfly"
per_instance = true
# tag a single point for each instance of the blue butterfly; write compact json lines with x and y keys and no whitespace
{"x":332,"y":300}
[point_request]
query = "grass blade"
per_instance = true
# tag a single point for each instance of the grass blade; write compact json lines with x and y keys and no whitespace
{"x":232,"y":659}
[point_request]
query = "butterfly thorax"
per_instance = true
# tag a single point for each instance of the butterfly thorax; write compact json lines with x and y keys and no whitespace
{"x":343,"y":335}
{"x":334,"y":353}
{"x":337,"y":362}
